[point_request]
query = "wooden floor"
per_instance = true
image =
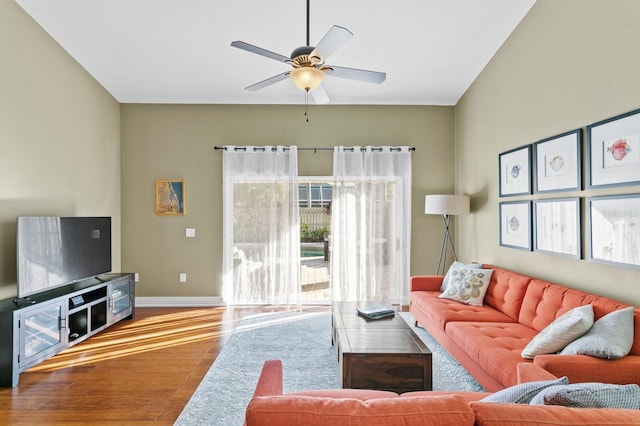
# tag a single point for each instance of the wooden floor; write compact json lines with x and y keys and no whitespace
{"x":137,"y":372}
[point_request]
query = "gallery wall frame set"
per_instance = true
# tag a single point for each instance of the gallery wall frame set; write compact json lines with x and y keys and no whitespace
{"x":614,"y":230}
{"x":557,"y":163}
{"x":515,"y":171}
{"x":613,"y":151}
{"x":170,"y":197}
{"x":558,"y":227}
{"x":553,"y":225}
{"x":515,"y":224}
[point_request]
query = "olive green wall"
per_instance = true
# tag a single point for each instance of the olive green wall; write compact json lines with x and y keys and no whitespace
{"x":177,"y":142}
{"x":59,"y":137}
{"x":568,"y":64}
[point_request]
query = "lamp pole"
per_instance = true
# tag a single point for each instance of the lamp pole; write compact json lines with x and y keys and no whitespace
{"x":446,"y":241}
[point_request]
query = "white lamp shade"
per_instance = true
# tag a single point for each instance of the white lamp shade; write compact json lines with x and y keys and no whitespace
{"x":446,"y":204}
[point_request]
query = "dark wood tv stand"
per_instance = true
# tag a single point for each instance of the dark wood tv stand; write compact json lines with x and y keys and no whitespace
{"x":36,"y":328}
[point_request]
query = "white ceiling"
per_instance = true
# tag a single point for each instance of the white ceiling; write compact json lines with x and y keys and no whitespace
{"x":178,"y":51}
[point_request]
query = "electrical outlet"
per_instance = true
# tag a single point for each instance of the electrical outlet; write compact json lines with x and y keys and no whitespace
{"x":183,"y":277}
{"x":136,"y":277}
{"x":191,"y":232}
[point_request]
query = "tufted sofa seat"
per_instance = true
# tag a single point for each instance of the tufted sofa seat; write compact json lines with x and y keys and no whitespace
{"x":488,"y":340}
{"x":363,"y":407}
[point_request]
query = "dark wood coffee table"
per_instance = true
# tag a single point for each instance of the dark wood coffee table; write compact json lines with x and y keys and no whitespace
{"x":379,"y":354}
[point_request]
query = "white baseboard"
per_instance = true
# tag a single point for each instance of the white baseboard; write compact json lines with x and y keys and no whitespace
{"x":148,"y":302}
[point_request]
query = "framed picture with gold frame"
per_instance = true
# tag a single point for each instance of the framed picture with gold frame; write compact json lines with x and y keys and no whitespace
{"x":170,"y":196}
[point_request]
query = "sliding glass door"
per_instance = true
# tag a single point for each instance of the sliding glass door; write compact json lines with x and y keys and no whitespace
{"x":290,"y":240}
{"x":314,"y":195}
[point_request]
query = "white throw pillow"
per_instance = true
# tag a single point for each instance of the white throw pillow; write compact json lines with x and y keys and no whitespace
{"x":468,"y":285}
{"x":560,"y":332}
{"x":610,"y":337}
{"x":457,"y":265}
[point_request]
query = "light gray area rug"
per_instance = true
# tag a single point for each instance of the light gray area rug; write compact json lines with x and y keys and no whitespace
{"x":303,"y":342}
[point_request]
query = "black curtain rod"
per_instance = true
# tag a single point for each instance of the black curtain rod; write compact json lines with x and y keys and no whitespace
{"x":263,"y":148}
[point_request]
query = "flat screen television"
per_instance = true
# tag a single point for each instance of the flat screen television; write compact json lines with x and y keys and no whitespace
{"x":55,"y":251}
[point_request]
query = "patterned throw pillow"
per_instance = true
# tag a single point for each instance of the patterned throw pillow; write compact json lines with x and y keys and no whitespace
{"x":560,"y":332}
{"x":457,"y":265}
{"x":590,"y":395}
{"x":524,"y":392}
{"x":610,"y":337}
{"x":468,"y":285}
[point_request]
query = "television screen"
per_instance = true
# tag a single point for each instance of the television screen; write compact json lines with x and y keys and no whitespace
{"x":54,"y":251}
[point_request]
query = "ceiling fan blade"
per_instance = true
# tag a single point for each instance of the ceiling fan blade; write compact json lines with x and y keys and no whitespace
{"x":268,"y":82}
{"x":260,"y":51}
{"x":320,"y":95}
{"x":356,"y":74}
{"x":332,"y":41}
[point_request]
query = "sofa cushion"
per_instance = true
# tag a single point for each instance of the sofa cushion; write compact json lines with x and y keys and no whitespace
{"x":468,"y":285}
{"x":441,"y":311}
{"x":496,"y":347}
{"x":560,"y":332}
{"x":506,"y":291}
{"x":591,"y":395}
{"x":544,"y":302}
{"x":584,"y":368}
{"x":457,"y":265}
{"x":610,"y":337}
{"x":361,"y":394}
{"x":523,"y":393}
{"x":410,"y":411}
{"x":490,"y":414}
{"x":466,"y":395}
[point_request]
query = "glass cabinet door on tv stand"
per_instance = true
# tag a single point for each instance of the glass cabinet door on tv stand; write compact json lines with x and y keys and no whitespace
{"x":42,"y":332}
{"x":120,"y":298}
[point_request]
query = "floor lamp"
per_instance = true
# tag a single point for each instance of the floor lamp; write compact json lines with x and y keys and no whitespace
{"x":446,"y":206}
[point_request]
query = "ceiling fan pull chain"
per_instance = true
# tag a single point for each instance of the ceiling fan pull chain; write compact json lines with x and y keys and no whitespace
{"x":306,"y":104}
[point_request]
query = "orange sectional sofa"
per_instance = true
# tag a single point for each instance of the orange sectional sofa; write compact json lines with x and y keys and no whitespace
{"x":488,"y":340}
{"x":358,"y":407}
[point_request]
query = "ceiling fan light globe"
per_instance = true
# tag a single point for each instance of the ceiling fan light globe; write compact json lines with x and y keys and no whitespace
{"x":307,"y":78}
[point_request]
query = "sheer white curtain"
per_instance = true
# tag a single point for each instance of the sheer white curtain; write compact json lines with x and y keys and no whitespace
{"x":371,"y":224}
{"x":261,"y":226}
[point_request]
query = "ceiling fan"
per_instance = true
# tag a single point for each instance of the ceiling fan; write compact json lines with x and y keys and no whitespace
{"x":308,"y":62}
